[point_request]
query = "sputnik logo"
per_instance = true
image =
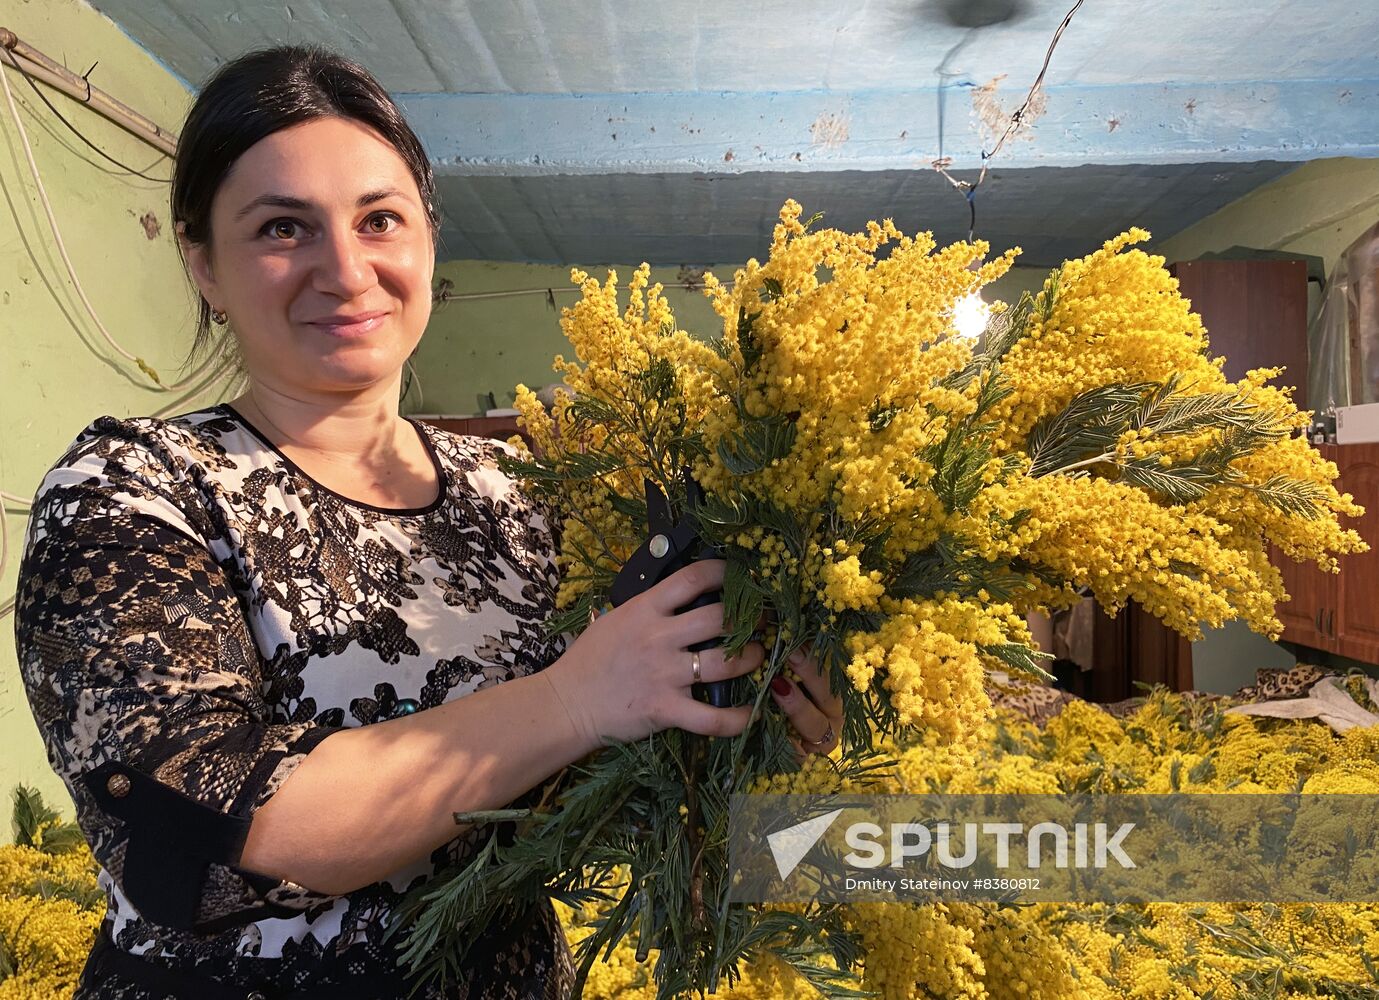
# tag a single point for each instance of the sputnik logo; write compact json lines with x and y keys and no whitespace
{"x":789,"y":846}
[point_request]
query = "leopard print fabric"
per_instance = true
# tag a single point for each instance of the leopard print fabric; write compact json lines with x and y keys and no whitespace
{"x":1026,"y":698}
{"x":1277,"y":685}
{"x":194,"y":606}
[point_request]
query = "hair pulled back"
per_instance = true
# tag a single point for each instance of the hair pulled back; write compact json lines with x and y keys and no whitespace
{"x":263,"y":92}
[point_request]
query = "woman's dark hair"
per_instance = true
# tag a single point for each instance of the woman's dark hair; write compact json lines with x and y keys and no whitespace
{"x":264,"y":92}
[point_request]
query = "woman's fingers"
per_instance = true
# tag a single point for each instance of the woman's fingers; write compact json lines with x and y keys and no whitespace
{"x":815,"y":712}
{"x":702,"y":718}
{"x":715,"y":666}
{"x":695,"y":625}
{"x":817,"y":731}
{"x":816,"y":682}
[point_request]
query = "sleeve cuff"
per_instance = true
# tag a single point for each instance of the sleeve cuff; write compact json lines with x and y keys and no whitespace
{"x":179,"y":865}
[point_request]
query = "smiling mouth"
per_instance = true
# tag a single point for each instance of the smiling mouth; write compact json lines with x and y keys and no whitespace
{"x":350,"y":326}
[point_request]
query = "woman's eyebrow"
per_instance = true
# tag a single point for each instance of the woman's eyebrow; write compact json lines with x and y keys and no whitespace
{"x":288,"y":201}
{"x":275,"y":200}
{"x":379,"y":195}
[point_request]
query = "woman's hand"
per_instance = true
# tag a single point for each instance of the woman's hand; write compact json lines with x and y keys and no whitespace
{"x":815,"y":712}
{"x":630,"y":673}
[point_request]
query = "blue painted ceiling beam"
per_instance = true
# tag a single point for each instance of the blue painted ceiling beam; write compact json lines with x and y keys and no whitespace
{"x":621,"y":131}
{"x":730,"y":133}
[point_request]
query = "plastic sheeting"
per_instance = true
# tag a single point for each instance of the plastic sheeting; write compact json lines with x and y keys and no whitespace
{"x":1344,"y":338}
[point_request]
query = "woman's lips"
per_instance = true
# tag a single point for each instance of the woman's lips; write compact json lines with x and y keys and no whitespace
{"x":355,"y":326}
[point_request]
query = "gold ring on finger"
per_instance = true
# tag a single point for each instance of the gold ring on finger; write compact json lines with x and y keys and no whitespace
{"x":698,"y":678}
{"x":821,"y":742}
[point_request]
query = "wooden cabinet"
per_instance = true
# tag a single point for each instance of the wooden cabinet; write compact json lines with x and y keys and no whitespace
{"x":1133,"y":649}
{"x":1355,"y":627}
{"x":501,"y":428}
{"x":1312,"y":593}
{"x":1339,"y":613}
{"x":1255,"y":312}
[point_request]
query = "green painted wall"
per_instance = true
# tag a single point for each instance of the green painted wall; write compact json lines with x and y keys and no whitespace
{"x":482,"y":345}
{"x":1320,"y":208}
{"x":58,"y":373}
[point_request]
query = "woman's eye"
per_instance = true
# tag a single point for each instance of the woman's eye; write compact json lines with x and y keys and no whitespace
{"x":382,"y":223}
{"x":281,"y":229}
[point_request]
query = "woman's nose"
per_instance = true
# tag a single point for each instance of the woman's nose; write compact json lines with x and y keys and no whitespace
{"x":344,"y":268}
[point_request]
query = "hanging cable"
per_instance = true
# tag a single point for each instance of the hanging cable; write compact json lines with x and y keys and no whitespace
{"x":66,"y":258}
{"x":19,"y":501}
{"x":8,"y":606}
{"x":78,"y":132}
{"x":79,"y":88}
{"x":449,"y":296}
{"x":226,"y":366}
{"x":1017,"y":120}
{"x":413,"y":379}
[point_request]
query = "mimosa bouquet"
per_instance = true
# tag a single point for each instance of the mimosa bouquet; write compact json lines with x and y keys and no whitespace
{"x":898,"y":498}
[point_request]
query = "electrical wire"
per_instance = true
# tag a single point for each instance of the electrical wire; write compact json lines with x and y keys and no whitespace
{"x":549,"y":292}
{"x":66,"y":258}
{"x":77,"y":132}
{"x":413,"y":379}
{"x":1017,"y":119}
{"x":8,"y":605}
{"x":226,"y":366}
{"x":201,"y":380}
{"x":4,"y":538}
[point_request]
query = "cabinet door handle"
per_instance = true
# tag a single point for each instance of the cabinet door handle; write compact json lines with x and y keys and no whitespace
{"x":1320,"y":613}
{"x":1331,"y":622}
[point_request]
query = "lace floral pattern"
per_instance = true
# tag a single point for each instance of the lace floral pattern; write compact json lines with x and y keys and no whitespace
{"x":195,"y":607}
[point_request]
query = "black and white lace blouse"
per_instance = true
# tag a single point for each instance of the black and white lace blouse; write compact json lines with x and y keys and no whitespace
{"x":195,"y":614}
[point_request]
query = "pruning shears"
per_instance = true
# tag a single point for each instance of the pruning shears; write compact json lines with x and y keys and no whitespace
{"x":671,"y":545}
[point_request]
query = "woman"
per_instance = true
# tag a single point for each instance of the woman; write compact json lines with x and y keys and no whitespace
{"x":273,"y":645}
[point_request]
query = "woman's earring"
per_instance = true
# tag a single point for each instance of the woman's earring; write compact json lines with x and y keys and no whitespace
{"x":218,"y":317}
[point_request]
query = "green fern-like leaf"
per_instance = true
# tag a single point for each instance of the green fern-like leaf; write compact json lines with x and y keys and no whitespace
{"x":1151,"y":407}
{"x":1189,"y":414}
{"x":747,"y":341}
{"x":86,"y":897}
{"x":1009,"y":329}
{"x":37,"y":825}
{"x":757,"y":443}
{"x":1179,"y":484}
{"x":1047,"y":299}
{"x":659,"y":380}
{"x":1290,"y":496}
{"x":743,"y":603}
{"x":1088,"y":426}
{"x":1020,"y":658}
{"x":1238,"y":441}
{"x":591,"y":410}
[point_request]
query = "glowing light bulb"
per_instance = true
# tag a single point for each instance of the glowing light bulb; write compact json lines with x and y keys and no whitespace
{"x":970,"y":315}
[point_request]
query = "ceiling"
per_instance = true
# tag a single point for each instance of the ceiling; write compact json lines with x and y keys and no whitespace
{"x":613,"y":131}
